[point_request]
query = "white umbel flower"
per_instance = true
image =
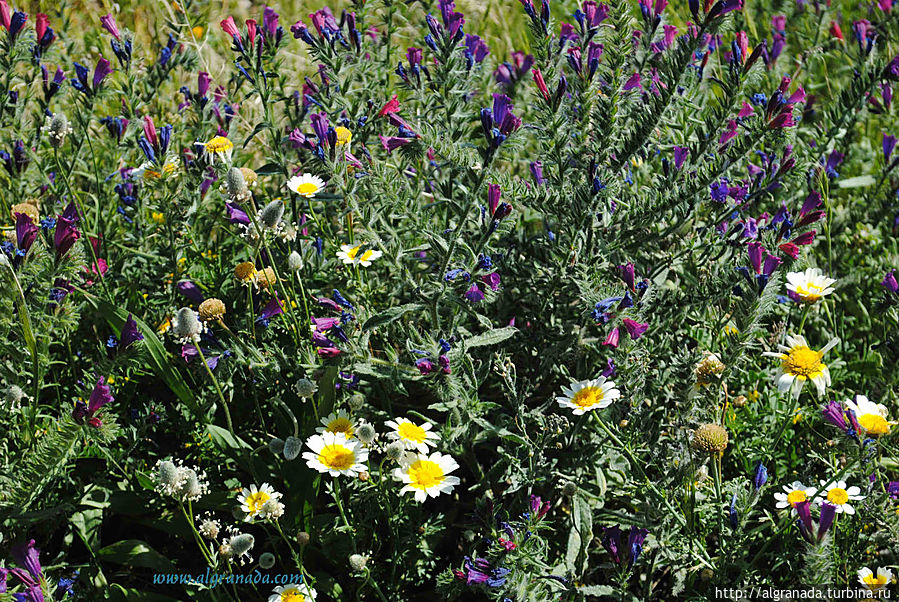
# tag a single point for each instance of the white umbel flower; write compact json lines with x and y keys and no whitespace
{"x":587,"y":395}
{"x":809,"y":286}
{"x":306,"y":185}
{"x":335,"y":454}
{"x":427,"y":475}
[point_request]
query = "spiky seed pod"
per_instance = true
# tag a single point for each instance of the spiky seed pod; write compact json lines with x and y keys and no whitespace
{"x":244,"y":271}
{"x":708,"y":369}
{"x":366,"y":433}
{"x":710,"y":438}
{"x":292,"y":448}
{"x":211,"y":309}
{"x":395,"y":451}
{"x":236,"y":184}
{"x":276,"y":446}
{"x":271,"y":214}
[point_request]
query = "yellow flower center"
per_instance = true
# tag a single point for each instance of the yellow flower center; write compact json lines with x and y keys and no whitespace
{"x":587,"y":397}
{"x":340,"y":425}
{"x":343,"y":135}
{"x":874,"y":424}
{"x":256,"y":501}
{"x":424,"y":474}
{"x":292,"y":595}
{"x":797,"y":496}
{"x":219,"y":144}
{"x":874,"y":580}
{"x":411,"y":432}
{"x":837,"y":496}
{"x":355,"y":251}
{"x":809,"y":292}
{"x":337,"y":457}
{"x":802,"y":362}
{"x":307,"y":188}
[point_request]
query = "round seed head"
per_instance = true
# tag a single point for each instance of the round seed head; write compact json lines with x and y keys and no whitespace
{"x":305,"y":388}
{"x":266,"y":560}
{"x":211,"y":309}
{"x":358,"y":561}
{"x":303,"y":538}
{"x":242,"y":543}
{"x":366,"y":433}
{"x":271,"y":214}
{"x":276,"y":445}
{"x":266,"y":277}
{"x":295,"y":261}
{"x":395,"y":451}
{"x":710,"y":438}
{"x":244,"y":271}
{"x":166,"y":473}
{"x":292,"y":448}
{"x":186,"y":325}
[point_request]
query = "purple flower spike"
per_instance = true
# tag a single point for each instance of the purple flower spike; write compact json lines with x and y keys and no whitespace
{"x":28,"y":556}
{"x":100,"y":72}
{"x":109,"y":24}
{"x":680,"y":155}
{"x":889,"y":144}
{"x":828,"y":512}
{"x":100,"y":396}
{"x":130,"y":333}
{"x":833,"y":413}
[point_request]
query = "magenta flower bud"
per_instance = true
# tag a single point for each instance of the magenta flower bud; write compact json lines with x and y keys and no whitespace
{"x":634,"y":329}
{"x":109,"y":24}
{"x":612,"y":338}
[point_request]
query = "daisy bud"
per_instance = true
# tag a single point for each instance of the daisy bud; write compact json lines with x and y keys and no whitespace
{"x":292,"y":448}
{"x":740,"y":401}
{"x":395,"y":450}
{"x":366,"y":433}
{"x":303,"y":538}
{"x":266,"y":560}
{"x":710,"y":438}
{"x":276,"y":446}
{"x":357,"y":400}
{"x":358,"y":562}
{"x":295,"y":261}
{"x":708,"y":369}
{"x":569,"y":489}
{"x":266,"y":277}
{"x":244,"y":271}
{"x":242,"y":543}
{"x":211,"y":309}
{"x":271,"y":214}
{"x":305,"y":388}
{"x":364,"y":476}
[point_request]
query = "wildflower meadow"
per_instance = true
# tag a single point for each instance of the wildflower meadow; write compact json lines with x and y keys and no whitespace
{"x":413,"y":301}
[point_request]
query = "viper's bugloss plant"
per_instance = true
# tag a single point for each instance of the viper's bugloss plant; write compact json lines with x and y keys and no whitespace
{"x":528,"y":301}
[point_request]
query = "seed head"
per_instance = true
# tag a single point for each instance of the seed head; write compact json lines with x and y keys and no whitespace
{"x":395,"y":451}
{"x":292,"y":448}
{"x":271,"y":214}
{"x":186,"y":325}
{"x":266,"y":560}
{"x":276,"y":445}
{"x":358,"y":561}
{"x":295,"y":261}
{"x":366,"y":433}
{"x":305,"y":388}
{"x":710,"y":438}
{"x":266,"y":277}
{"x":244,"y":271}
{"x":211,"y":309}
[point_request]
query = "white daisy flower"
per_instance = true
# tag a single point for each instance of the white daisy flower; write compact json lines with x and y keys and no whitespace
{"x":875,"y":582}
{"x":809,"y":286}
{"x":586,"y":395}
{"x":427,"y":475}
{"x":794,"y":493}
{"x":799,"y":363}
{"x":349,"y":254}
{"x":306,"y":185}
{"x":413,"y":436}
{"x":292,"y":592}
{"x":252,"y":499}
{"x":335,"y":454}
{"x":218,"y":148}
{"x":872,"y":417}
{"x":838,"y":495}
{"x":341,"y":422}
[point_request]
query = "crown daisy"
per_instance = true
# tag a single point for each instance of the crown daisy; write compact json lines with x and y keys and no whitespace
{"x":425,"y":475}
{"x":335,"y":454}
{"x":306,"y":185}
{"x":800,"y":363}
{"x":413,"y":436}
{"x":809,"y":286}
{"x":586,"y":395}
{"x":353,"y":255}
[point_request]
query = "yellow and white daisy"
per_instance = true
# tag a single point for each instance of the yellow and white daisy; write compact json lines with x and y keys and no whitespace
{"x":339,"y":422}
{"x":218,"y":148}
{"x":306,"y":185}
{"x":413,"y":436}
{"x":809,"y":286}
{"x":794,"y":493}
{"x":292,"y":592}
{"x":838,"y":495}
{"x":586,"y":395}
{"x":252,"y":499}
{"x":799,"y":363}
{"x":872,"y":417}
{"x":425,"y":475}
{"x":350,"y":254}
{"x":335,"y":454}
{"x":874,"y":582}
{"x":343,"y":135}
{"x":152,"y":171}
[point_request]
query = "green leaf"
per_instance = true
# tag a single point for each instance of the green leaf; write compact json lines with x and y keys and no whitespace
{"x":224,"y":440}
{"x":491,"y":337}
{"x":856,"y":182}
{"x":269,"y":169}
{"x":389,"y":315}
{"x":259,"y":127}
{"x":135,"y":553}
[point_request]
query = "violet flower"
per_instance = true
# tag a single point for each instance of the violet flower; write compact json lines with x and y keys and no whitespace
{"x":130,"y":333}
